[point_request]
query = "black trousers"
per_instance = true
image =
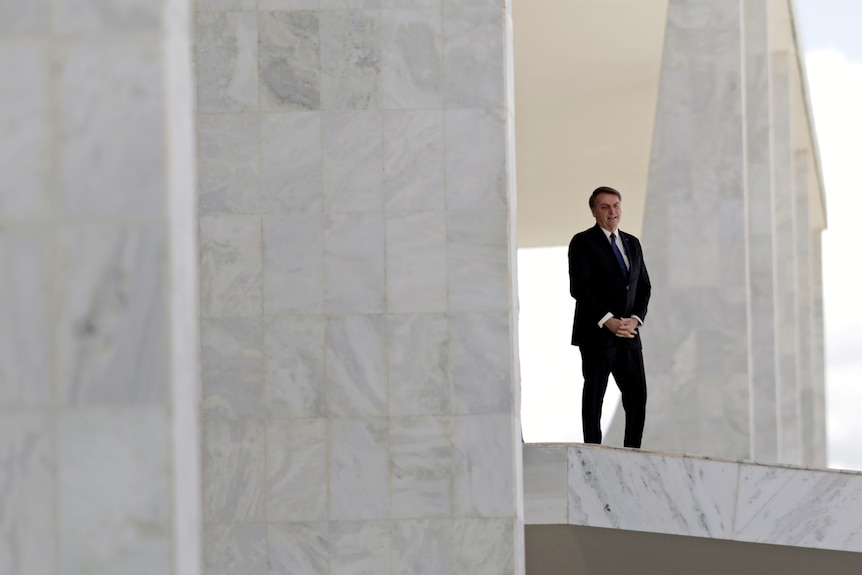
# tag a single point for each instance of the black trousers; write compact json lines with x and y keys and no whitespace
{"x":627,"y":365}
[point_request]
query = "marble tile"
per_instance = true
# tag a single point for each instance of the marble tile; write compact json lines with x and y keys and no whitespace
{"x":356,"y":383}
{"x":413,"y":160}
{"x":224,"y":5}
{"x":235,"y":548}
{"x":624,"y":489}
{"x":359,"y":547}
{"x":296,"y":469}
{"x":226,"y":55}
{"x":234,"y":477}
{"x":348,"y":4}
{"x":546,"y":485}
{"x":293,"y":266}
{"x":690,"y":15}
{"x":473,"y":57}
{"x":725,"y":16}
{"x":295,"y":366}
{"x":291,"y":162}
{"x":20,"y":18}
{"x":421,"y":467}
{"x":353,"y":161}
{"x":484,"y":546}
{"x":416,"y":262}
{"x":25,"y":320}
{"x":409,"y":3}
{"x":299,"y":548}
{"x":231,"y":337}
{"x":412,"y":59}
{"x":27,"y":489}
{"x":350,"y":60}
{"x":109,"y":288}
{"x":483,"y":482}
{"x":230,"y":266}
{"x":799,"y":507}
{"x":233,"y":388}
{"x":113,"y":496}
{"x":418,"y":351}
{"x":476,"y":159}
{"x":478,"y":254}
{"x":476,"y":3}
{"x":104,"y":171}
{"x":25,"y":117}
{"x":354,"y":263}
{"x":286,"y":4}
{"x":422,"y":546}
{"x":480,"y":367}
{"x":715,"y":403}
{"x":289,"y":61}
{"x":358,"y":470}
{"x":228,"y":164}
{"x":87,"y":16}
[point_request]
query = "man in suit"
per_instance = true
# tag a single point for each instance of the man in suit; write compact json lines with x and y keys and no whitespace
{"x":609,"y":281}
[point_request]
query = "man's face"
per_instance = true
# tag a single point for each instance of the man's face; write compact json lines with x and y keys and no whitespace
{"x":607,"y":211}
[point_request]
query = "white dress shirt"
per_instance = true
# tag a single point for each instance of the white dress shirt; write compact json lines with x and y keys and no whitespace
{"x":622,"y":248}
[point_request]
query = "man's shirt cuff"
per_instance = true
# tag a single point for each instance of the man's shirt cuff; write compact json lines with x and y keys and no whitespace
{"x":640,"y":321}
{"x":607,"y":316}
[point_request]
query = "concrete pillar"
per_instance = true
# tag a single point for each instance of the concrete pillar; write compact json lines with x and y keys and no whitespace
{"x":785,"y":261}
{"x":761,"y":263}
{"x":696,"y":341}
{"x":98,"y":337}
{"x":361,"y":409}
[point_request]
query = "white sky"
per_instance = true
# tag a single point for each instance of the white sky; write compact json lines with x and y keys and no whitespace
{"x":551,"y":383}
{"x":833,"y":44}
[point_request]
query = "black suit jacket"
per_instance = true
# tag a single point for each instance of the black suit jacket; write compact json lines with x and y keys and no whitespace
{"x":598,"y":285}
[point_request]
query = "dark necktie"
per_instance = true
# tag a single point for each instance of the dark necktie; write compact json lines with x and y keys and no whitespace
{"x":619,"y":256}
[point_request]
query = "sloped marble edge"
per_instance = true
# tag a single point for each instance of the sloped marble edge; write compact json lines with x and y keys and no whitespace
{"x":699,"y":496}
{"x":651,"y":492}
{"x":800,"y":507}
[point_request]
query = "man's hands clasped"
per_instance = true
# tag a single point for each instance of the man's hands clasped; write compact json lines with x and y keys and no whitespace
{"x":623,"y":327}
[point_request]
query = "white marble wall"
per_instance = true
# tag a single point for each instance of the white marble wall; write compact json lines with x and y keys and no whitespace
{"x":357,"y":304}
{"x":789,"y":438}
{"x":761,"y":246}
{"x":696,"y":341}
{"x":98,"y":372}
{"x":693,"y":496}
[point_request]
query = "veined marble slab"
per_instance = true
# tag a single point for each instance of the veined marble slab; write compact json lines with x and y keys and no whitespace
{"x":675,"y":494}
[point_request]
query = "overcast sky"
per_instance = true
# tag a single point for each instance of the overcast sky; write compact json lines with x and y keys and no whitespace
{"x":551,"y":388}
{"x":833,"y":47}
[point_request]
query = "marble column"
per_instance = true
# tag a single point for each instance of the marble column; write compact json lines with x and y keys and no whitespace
{"x":761,"y":263}
{"x":696,"y":338}
{"x":361,"y":407}
{"x":802,"y":191}
{"x":98,"y":337}
{"x":787,"y":398}
{"x":818,"y":367}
